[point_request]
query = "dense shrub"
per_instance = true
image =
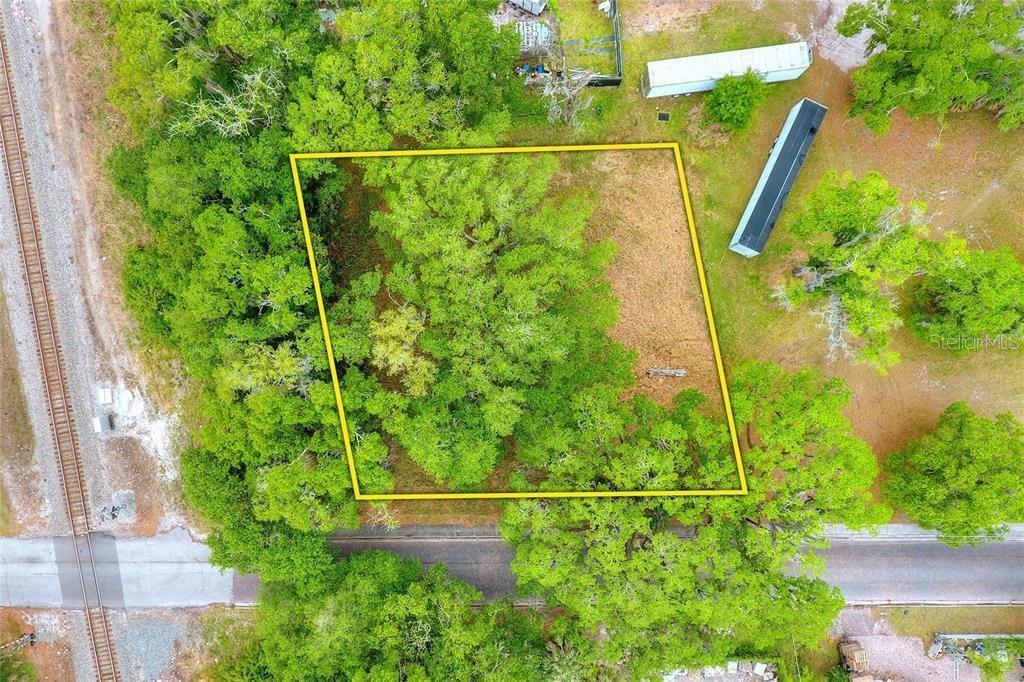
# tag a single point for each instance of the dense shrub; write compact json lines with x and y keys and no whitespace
{"x":735,"y":99}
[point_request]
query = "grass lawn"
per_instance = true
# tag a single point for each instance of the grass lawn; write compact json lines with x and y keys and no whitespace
{"x":16,"y":439}
{"x":588,"y":32}
{"x":925,"y":621}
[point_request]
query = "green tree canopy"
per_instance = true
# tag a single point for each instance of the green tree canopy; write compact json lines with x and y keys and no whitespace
{"x":971,"y":300}
{"x":491,"y":317}
{"x":383,"y":618}
{"x":220,"y":92}
{"x":965,"y":478}
{"x":939,"y":56}
{"x":863,"y":246}
{"x":198,"y":54}
{"x":407,"y":69}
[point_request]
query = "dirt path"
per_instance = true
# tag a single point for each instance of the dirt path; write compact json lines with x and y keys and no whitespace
{"x":20,"y":487}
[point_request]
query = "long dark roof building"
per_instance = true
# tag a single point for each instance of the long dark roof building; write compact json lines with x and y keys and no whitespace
{"x":777,"y":178}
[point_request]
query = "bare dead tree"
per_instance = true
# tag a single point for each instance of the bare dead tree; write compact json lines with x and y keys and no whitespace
{"x":780,"y":295}
{"x":254,"y":104}
{"x":565,"y":91}
{"x":382,"y":515}
{"x":834,"y":319}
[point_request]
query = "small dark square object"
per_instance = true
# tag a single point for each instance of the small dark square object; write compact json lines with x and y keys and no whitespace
{"x":663,"y":116}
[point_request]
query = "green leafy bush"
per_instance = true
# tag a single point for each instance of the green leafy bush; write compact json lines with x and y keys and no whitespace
{"x":735,"y":99}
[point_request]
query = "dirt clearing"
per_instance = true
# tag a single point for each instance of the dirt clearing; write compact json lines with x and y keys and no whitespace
{"x":970,"y":175}
{"x":51,"y":656}
{"x":639,"y":207}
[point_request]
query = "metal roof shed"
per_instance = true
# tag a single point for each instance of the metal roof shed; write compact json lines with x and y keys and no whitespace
{"x":777,"y":178}
{"x":531,"y":6}
{"x":686,"y":75}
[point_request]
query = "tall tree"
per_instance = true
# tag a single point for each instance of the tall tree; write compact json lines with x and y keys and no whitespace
{"x":965,"y":478}
{"x":969,"y":301}
{"x":863,"y":247}
{"x":493,"y":307}
{"x":939,"y":56}
{"x":204,"y":52}
{"x":404,"y":69}
{"x":220,"y":92}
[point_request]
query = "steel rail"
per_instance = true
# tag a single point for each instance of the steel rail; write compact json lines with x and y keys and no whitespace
{"x":51,"y":362}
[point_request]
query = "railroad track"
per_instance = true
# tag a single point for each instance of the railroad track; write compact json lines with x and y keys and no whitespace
{"x":51,"y":361}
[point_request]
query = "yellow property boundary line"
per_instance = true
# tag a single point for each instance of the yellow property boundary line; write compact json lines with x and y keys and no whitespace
{"x":295,"y":158}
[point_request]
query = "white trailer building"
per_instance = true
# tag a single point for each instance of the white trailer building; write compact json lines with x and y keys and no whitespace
{"x":686,"y":75}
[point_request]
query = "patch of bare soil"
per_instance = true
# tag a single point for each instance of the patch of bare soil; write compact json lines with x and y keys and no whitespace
{"x":439,"y":512}
{"x":20,"y":489}
{"x":51,"y":655}
{"x":132,"y":472}
{"x":639,"y":207}
{"x":651,"y":16}
{"x":846,"y":53}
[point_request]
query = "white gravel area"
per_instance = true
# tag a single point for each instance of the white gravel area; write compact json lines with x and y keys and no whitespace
{"x":906,"y":657}
{"x":81,"y":649}
{"x":857,"y":621}
{"x":147,"y":642}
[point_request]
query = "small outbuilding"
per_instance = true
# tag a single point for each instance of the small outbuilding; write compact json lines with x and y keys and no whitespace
{"x":687,"y":75}
{"x":777,"y":178}
{"x":531,"y":6}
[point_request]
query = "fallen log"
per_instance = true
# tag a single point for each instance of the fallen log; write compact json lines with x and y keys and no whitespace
{"x":665,"y":372}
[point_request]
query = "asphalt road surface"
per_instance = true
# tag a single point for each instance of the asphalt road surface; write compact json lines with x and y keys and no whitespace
{"x":478,"y":555}
{"x":926,"y":571}
{"x":165,"y":571}
{"x":901,"y":565}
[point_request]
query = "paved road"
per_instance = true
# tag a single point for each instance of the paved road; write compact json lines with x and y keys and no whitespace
{"x":166,"y":571}
{"x":926,"y":571}
{"x":902,"y":564}
{"x":478,"y":554}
